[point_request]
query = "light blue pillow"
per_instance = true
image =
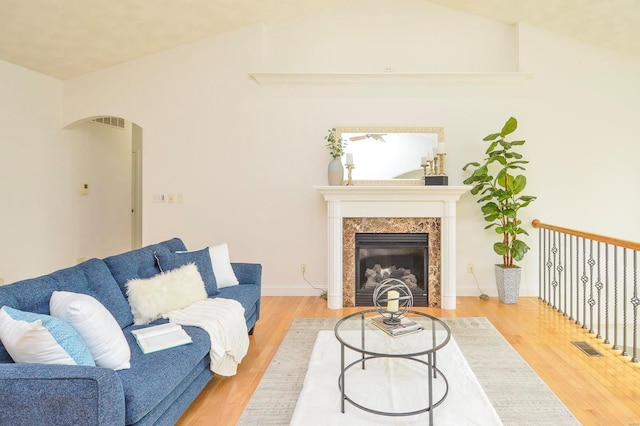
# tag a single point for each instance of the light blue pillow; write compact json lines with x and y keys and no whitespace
{"x":41,"y":339}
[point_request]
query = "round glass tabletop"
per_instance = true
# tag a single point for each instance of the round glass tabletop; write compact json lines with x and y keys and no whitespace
{"x":418,"y":334}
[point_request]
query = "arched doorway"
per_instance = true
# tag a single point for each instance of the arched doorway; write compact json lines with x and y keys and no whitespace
{"x":109,"y":160}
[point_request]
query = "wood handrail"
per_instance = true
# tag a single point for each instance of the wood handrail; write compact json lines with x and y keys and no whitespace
{"x":608,"y":240}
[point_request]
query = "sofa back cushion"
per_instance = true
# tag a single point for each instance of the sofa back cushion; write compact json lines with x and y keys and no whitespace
{"x":91,"y":277}
{"x":140,"y":263}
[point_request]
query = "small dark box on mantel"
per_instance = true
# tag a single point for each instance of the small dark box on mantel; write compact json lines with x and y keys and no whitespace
{"x":436,"y":180}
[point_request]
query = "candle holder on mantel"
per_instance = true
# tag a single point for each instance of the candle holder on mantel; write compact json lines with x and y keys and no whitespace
{"x":350,"y":167}
{"x":439,"y":177}
{"x":392,"y":299}
{"x":441,"y":163}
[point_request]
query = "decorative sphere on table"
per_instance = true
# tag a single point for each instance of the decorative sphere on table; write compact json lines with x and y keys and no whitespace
{"x":392,"y":299}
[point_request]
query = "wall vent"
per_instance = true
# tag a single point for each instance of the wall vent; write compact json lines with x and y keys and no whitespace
{"x":587,"y":349}
{"x":110,"y":121}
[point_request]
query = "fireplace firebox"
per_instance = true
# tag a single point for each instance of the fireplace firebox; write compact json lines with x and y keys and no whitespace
{"x":402,"y":256}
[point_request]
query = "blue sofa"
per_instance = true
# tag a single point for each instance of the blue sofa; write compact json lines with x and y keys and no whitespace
{"x":157,"y":388}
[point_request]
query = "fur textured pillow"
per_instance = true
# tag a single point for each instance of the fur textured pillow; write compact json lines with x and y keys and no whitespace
{"x":150,"y":298}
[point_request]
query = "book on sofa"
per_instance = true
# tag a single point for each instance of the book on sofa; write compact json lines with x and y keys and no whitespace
{"x":160,"y":337}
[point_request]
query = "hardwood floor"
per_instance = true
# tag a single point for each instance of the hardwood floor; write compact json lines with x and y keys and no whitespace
{"x":598,"y":390}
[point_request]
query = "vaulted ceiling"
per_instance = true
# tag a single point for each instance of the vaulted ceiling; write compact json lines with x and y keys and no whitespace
{"x":68,"y":38}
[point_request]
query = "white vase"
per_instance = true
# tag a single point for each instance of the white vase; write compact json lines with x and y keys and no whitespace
{"x":336,"y":172}
{"x":508,"y":283}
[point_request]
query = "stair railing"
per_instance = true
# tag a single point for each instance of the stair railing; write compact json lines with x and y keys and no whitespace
{"x":593,"y":280}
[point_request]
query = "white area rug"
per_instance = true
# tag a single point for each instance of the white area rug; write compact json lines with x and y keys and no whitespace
{"x":516,"y":392}
{"x":386,"y":384}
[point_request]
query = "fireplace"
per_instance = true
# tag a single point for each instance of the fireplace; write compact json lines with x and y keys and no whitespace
{"x":391,"y":208}
{"x":403,"y":256}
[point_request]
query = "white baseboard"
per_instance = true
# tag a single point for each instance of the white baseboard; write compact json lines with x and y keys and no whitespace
{"x":291,"y":290}
{"x":307,"y":290}
{"x":491,"y":290}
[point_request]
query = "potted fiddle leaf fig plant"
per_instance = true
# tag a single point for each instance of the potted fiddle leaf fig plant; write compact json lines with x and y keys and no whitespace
{"x":336,"y":146}
{"x":499,"y":183}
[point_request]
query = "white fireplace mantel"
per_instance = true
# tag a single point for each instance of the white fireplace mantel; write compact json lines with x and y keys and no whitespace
{"x":391,"y":201}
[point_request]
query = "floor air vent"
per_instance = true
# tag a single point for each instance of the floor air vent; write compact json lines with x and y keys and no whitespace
{"x":587,"y":349}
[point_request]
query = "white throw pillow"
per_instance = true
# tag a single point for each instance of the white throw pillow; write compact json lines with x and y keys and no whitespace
{"x":41,"y":339}
{"x":151,"y":297}
{"x":97,"y":327}
{"x":222,"y":269}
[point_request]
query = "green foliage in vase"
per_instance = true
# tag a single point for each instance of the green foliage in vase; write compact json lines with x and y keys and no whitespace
{"x":336,"y":146}
{"x":499,"y":185}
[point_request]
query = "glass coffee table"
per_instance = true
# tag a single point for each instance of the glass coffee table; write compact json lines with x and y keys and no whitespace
{"x":357,"y":333}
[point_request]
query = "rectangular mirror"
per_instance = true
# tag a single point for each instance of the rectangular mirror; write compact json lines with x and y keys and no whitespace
{"x":388,"y":153}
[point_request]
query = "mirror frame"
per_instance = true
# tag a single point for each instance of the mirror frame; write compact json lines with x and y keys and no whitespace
{"x":372,"y":129}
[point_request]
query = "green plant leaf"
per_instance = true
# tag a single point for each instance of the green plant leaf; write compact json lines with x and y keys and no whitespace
{"x":517,"y":142}
{"x":501,"y":248}
{"x":490,"y":208}
{"x":474,"y":164}
{"x":491,"y":137}
{"x":491,"y":147}
{"x":509,"y":213}
{"x":509,"y":127}
{"x":518,"y":249}
{"x":518,"y":184}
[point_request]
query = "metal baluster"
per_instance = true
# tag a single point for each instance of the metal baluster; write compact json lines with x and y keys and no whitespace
{"x":591,"y":300}
{"x":565,"y":275}
{"x":585,"y":280}
{"x":606,"y":294}
{"x":624,"y":299}
{"x":549,"y":266}
{"x":635,"y":302}
{"x":552,"y":264}
{"x":559,"y":268}
{"x":577,"y":280}
{"x":599,"y":288}
{"x":540,"y":263}
{"x":615,"y":298}
{"x":571,"y":278}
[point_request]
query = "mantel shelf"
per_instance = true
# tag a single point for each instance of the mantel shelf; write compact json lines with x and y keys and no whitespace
{"x":390,"y":77}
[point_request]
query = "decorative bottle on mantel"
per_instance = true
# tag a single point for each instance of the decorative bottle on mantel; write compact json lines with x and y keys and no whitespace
{"x":336,"y":149}
{"x":336,"y":172}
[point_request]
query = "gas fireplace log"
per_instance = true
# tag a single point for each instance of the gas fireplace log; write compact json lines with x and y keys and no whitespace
{"x":377,"y":274}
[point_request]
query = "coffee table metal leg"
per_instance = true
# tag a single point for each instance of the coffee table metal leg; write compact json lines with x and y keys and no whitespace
{"x":430,"y":360}
{"x":363,"y":346}
{"x":342,"y":377}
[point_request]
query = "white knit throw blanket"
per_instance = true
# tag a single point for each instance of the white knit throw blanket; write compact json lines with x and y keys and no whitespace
{"x":224,"y":320}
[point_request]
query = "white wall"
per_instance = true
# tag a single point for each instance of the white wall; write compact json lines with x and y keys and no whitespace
{"x":246,"y":157}
{"x":45,"y":224}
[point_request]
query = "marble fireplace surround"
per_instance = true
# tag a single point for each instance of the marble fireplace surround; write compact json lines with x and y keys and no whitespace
{"x":389,"y":203}
{"x":393,"y":225}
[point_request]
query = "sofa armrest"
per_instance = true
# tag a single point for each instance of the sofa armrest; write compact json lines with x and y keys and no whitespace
{"x":38,"y":394}
{"x":248,"y":273}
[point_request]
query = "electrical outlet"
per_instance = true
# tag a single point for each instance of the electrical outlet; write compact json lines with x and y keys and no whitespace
{"x":303,"y":268}
{"x":470,"y":268}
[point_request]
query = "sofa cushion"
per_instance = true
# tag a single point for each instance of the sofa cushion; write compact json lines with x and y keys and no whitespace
{"x":140,"y":263}
{"x":95,"y":324}
{"x":247,"y":294}
{"x":91,"y":277}
{"x":222,"y":268}
{"x":153,"y":377}
{"x":94,"y":278}
{"x":151,"y":297}
{"x":41,"y":339}
{"x":168,"y":261}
